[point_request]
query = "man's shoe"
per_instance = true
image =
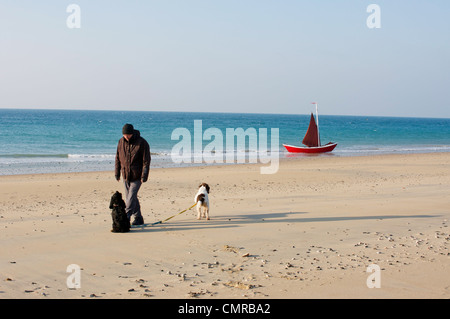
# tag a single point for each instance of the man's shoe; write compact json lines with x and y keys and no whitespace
{"x":138,"y":221}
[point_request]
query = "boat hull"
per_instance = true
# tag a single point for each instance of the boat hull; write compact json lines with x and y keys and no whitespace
{"x":310,"y":150}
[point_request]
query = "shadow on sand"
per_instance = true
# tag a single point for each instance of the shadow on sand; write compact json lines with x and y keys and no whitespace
{"x":230,"y":221}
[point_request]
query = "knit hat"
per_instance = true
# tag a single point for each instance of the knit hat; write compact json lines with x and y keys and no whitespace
{"x":128,"y":129}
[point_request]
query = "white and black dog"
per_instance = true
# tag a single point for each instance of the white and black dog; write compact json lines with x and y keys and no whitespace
{"x":202,"y":200}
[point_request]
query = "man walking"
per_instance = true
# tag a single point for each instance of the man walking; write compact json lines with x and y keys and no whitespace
{"x":133,"y":161}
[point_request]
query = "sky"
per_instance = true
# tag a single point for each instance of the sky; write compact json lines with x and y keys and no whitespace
{"x":250,"y":56}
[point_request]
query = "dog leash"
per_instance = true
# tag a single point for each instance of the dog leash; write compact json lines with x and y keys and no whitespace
{"x":162,"y":221}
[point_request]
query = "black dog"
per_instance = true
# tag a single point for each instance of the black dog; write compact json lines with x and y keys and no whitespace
{"x":121,"y":223}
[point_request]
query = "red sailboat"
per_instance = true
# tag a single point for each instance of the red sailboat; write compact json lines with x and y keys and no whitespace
{"x":311,"y":140}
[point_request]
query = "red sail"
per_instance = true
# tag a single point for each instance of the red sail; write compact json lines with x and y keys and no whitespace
{"x":311,"y":138}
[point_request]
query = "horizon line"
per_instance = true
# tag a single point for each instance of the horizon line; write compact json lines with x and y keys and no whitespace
{"x":211,"y":112}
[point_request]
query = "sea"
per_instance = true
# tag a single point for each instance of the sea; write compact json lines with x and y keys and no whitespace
{"x":60,"y":141}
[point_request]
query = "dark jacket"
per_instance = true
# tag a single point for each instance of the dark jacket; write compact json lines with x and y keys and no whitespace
{"x":133,"y":158}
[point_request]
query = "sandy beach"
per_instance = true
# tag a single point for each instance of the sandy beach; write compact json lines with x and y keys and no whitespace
{"x":308,"y":231}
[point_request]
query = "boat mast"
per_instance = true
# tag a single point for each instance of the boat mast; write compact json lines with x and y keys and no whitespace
{"x":317,"y":120}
